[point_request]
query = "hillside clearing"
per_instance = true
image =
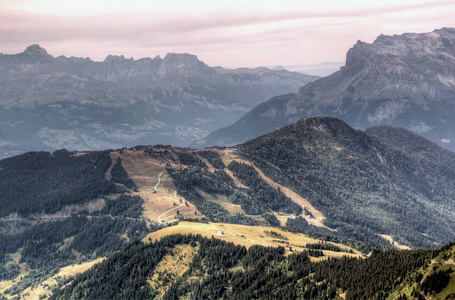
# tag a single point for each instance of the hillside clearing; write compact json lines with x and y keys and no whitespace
{"x":43,"y":289}
{"x":247,"y":236}
{"x":155,"y":186}
{"x":393,"y":242}
{"x":171,"y":268}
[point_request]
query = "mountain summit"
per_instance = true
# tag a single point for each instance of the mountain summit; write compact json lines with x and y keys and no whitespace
{"x":362,"y":183}
{"x":35,"y":50}
{"x":401,"y":80}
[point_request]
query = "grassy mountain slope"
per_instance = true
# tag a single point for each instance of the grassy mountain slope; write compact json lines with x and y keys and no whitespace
{"x":249,"y":236}
{"x":433,"y":280}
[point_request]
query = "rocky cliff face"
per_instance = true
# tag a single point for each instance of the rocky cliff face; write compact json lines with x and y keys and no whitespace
{"x":49,"y":103}
{"x":402,"y":80}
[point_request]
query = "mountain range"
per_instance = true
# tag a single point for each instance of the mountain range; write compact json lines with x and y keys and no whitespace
{"x":401,"y":80}
{"x":48,"y":103}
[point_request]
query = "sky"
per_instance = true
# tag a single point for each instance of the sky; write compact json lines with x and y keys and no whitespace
{"x":231,"y":33}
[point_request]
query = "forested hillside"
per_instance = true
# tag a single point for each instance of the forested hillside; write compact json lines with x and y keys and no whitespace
{"x":414,"y":145}
{"x":59,"y":210}
{"x":363,"y":187}
{"x":43,"y":182}
{"x":220,"y":270}
{"x":256,"y":198}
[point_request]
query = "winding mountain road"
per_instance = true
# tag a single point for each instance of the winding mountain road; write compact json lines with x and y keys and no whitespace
{"x":159,"y":217}
{"x":159,"y":180}
{"x":169,"y":210}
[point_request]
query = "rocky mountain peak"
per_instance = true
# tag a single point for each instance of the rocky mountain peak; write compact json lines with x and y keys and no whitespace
{"x":116,"y":59}
{"x":181,"y":59}
{"x":438,"y":45}
{"x":184,"y":64}
{"x":35,"y":50}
